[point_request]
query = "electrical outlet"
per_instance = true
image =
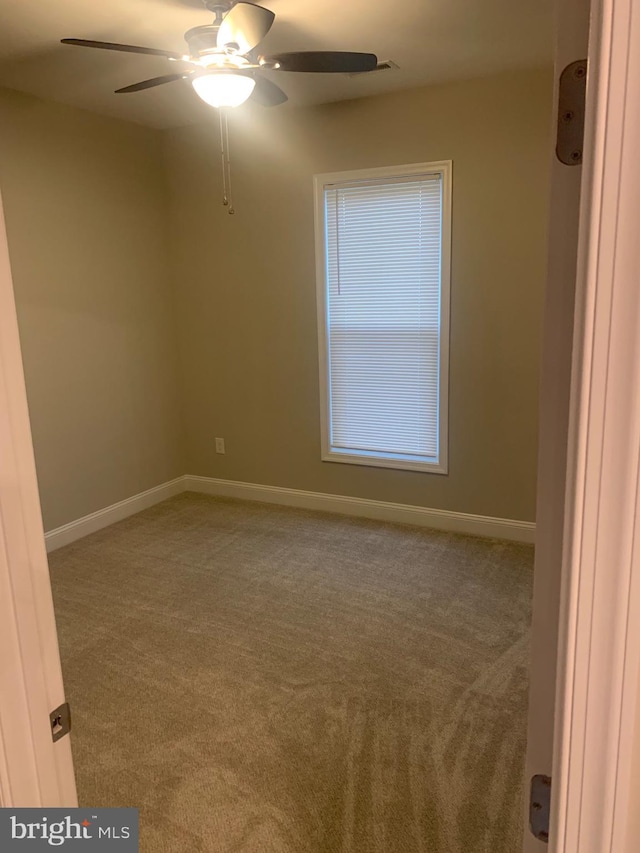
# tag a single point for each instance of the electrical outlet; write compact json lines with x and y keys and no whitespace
{"x":220,"y":445}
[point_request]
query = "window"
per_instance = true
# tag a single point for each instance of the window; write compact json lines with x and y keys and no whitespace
{"x":383,"y":252}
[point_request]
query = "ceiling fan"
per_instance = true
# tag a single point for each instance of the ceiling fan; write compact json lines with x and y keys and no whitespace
{"x":225,"y":66}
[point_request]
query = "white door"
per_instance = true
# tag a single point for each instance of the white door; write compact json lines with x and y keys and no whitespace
{"x":34,"y":771}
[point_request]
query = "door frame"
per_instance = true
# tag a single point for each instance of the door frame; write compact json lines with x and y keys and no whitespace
{"x":34,"y":771}
{"x":595,"y":757}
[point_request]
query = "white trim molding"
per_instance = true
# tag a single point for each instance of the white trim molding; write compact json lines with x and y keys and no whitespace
{"x":34,"y":771}
{"x":438,"y":519}
{"x":595,"y":795}
{"x":437,"y":464}
{"x":109,"y":515}
{"x":456,"y":522}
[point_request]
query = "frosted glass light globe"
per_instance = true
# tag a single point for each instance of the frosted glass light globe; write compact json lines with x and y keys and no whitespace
{"x":223,"y":89}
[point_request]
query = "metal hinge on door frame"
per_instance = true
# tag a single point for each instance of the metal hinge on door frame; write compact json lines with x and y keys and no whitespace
{"x":571,"y":106}
{"x":60,"y":720}
{"x":540,"y":807}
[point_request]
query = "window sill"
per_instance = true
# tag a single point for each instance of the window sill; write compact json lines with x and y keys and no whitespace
{"x":439,"y":467}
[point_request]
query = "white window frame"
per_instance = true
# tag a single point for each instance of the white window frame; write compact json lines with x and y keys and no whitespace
{"x":444,"y":168}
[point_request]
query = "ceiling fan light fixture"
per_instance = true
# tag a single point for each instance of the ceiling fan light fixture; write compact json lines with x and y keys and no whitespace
{"x":223,"y":89}
{"x":212,"y":60}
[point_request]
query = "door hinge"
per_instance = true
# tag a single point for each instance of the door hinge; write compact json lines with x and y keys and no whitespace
{"x":571,"y":105}
{"x":60,"y":720}
{"x":540,"y":807}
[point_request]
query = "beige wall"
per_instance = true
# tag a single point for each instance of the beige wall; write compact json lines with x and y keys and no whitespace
{"x":97,"y":242}
{"x":245,"y":286}
{"x":85,"y":204}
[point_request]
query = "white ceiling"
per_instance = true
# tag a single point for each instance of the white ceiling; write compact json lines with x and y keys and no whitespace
{"x":431,"y":41}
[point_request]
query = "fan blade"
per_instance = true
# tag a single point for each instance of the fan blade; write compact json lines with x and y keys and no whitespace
{"x":125,"y":48}
{"x":322,"y":62}
{"x":267,"y":93}
{"x":149,"y":84}
{"x":245,"y":25}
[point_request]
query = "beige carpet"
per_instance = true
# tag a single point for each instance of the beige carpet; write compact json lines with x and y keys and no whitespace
{"x":258,"y":679}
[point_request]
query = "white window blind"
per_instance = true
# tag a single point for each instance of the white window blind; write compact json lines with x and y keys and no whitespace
{"x":383,"y":254}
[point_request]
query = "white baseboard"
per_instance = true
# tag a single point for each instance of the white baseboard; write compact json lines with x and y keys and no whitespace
{"x":109,"y":515}
{"x":457,"y":522}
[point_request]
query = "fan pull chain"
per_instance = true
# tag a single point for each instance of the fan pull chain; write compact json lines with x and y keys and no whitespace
{"x":227,"y":194}
{"x":225,"y":200}
{"x":228,"y":151}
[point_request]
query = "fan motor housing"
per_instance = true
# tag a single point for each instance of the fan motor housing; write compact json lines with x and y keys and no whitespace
{"x":217,"y":7}
{"x":202,"y":39}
